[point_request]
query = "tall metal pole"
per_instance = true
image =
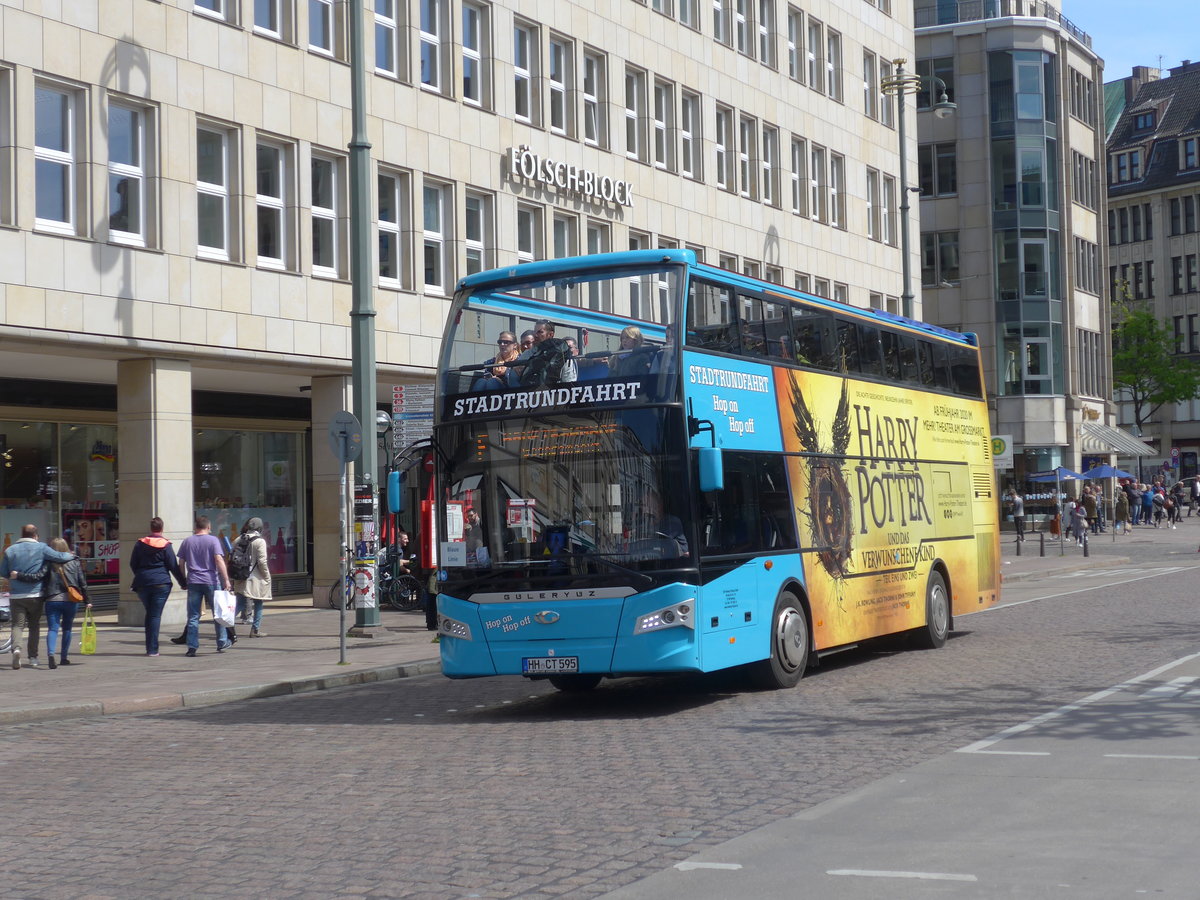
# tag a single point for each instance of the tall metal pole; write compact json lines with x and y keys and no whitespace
{"x":362,"y":313}
{"x":906,"y":298}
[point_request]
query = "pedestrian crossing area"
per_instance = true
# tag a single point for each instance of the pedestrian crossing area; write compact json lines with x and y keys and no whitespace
{"x":1175,"y":689}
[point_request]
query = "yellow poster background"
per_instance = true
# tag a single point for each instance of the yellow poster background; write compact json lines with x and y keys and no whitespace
{"x":891,"y":494}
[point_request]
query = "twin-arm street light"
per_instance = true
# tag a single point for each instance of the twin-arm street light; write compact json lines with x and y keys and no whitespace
{"x":898,"y":85}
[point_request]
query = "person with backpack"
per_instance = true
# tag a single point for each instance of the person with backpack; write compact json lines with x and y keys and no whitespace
{"x":153,"y":563}
{"x":547,"y":362}
{"x":250,"y":573}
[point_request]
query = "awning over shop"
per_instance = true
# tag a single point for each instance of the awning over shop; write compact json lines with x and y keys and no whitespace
{"x":1098,"y":438}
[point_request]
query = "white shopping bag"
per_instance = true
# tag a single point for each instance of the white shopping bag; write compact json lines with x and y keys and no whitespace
{"x":224,"y":607}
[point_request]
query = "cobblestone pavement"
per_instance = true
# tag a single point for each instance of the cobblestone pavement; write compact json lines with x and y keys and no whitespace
{"x":501,"y":788}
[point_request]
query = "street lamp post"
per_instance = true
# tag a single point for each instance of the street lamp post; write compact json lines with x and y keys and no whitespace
{"x":898,"y":85}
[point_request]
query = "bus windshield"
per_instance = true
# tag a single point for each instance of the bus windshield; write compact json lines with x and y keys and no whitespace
{"x":588,"y":494}
{"x":611,"y":325}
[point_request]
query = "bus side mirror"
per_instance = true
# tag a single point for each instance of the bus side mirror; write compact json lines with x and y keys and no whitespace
{"x":712,"y":470}
{"x":395,"y":496}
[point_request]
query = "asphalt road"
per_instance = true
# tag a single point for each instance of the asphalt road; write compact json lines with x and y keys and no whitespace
{"x":502,"y":788}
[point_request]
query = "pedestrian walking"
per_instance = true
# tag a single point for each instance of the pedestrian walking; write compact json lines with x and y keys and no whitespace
{"x":1158,"y":501}
{"x":1121,"y":513}
{"x":1079,"y":523}
{"x":1147,"y":505}
{"x":248,"y":567}
{"x":1195,"y":494}
{"x":1089,"y":506}
{"x":61,"y":605}
{"x":1134,"y":492}
{"x":1018,"y":512}
{"x":203,"y":565}
{"x":154,"y":563}
{"x":26,"y":562}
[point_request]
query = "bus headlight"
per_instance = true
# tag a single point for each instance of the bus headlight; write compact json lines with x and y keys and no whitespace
{"x":674,"y":616}
{"x":454,"y":628}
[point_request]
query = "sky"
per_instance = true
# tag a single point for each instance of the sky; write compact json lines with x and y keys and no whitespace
{"x":1129,"y":34}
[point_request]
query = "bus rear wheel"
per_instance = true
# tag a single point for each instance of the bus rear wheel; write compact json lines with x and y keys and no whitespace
{"x":789,"y":646}
{"x":937,"y":613}
{"x":575,"y":684}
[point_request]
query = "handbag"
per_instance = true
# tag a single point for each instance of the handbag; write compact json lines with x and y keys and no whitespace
{"x":87,"y":636}
{"x":224,"y":607}
{"x":75,"y":593}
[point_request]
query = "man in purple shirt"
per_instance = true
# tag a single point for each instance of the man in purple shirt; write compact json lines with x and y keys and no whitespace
{"x":203,"y":562}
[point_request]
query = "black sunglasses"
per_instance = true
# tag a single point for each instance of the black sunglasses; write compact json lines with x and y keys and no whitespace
{"x":505,"y":342}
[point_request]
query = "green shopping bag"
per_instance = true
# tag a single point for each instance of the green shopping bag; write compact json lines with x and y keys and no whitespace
{"x":87,"y":637}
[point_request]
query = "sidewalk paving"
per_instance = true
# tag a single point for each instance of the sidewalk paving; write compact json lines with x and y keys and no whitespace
{"x":300,"y":653}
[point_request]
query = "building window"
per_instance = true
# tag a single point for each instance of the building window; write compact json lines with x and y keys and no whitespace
{"x":635,"y":107}
{"x":870,"y":85}
{"x":741,"y":26}
{"x":721,"y":29}
{"x":724,"y":137}
{"x":887,"y":215}
{"x":821,"y":288}
{"x":803,"y":282}
{"x":833,"y":65}
{"x":599,"y":240}
{"x":1177,"y":275}
{"x":728,"y":262}
{"x":564,"y":235}
{"x":1087,"y":268}
{"x":595,"y":108}
{"x":1189,"y":153}
{"x":939,"y":258}
{"x":56,"y":161}
{"x":215,"y":219}
{"x":930,"y":70}
{"x":837,"y":190}
{"x":387,"y":38}
{"x":477,"y":230}
{"x":272,"y":164}
{"x":874,"y":211}
{"x":1125,"y":167}
{"x":562,"y":65}
{"x":937,"y":169}
{"x":841,"y":292}
{"x":795,"y":44}
{"x":1144,"y":121}
{"x":747,"y":152}
{"x":325,"y":222}
{"x":128,"y":186}
{"x":770,"y":165}
{"x":664,"y":125}
{"x":525,"y":71}
{"x":393,"y":247}
{"x":436,"y":227}
{"x":1083,"y":98}
{"x":321,"y":26}
{"x":799,"y":176}
{"x":432,"y":30}
{"x":813,"y":51}
{"x":818,"y":196}
{"x":1084,"y":186}
{"x":662,"y":6}
{"x":268,"y":18}
{"x":690,"y":136}
{"x":529,"y":233}
{"x":766,"y":32}
{"x":218,"y":9}
{"x":689,"y":14}
{"x":887,"y":104}
{"x":475,"y":39}
{"x":640,"y":304}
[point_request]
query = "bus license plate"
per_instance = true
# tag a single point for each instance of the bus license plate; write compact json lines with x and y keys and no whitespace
{"x":549,"y":665}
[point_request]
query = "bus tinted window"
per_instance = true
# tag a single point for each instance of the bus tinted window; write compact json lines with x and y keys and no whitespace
{"x":777,"y":329}
{"x":754,"y":342}
{"x":870,"y":350}
{"x":846,"y":353}
{"x":711,"y":318}
{"x":964,"y":368}
{"x":941,"y":366}
{"x":753,"y":513}
{"x":814,"y":337}
{"x":925,"y":363}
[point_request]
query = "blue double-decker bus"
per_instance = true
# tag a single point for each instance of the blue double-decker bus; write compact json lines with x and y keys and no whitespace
{"x":681,"y":469}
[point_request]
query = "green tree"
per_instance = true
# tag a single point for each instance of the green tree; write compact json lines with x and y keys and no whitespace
{"x":1146,"y":369}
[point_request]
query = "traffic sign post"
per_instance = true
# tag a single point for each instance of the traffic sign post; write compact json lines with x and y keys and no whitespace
{"x":345,"y":440}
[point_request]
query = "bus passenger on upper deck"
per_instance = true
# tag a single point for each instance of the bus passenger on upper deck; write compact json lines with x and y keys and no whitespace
{"x":633,"y":358}
{"x":547,"y":362}
{"x":494,"y":378}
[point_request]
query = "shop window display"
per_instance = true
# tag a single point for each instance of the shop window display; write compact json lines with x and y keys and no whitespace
{"x":239,"y":474}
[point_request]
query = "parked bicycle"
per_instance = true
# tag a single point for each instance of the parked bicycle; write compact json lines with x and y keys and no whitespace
{"x":398,"y":590}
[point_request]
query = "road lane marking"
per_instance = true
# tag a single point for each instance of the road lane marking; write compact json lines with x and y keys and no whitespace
{"x":1174,"y":687}
{"x":980,"y":746}
{"x":689,"y":866}
{"x":1143,"y":577}
{"x":883,"y":873}
{"x":1146,"y":756}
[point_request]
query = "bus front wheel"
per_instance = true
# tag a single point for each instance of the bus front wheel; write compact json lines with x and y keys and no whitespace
{"x":789,"y":646}
{"x":575,"y":684}
{"x":937,"y":613}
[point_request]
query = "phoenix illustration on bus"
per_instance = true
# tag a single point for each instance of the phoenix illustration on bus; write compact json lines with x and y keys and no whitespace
{"x":649,"y":465}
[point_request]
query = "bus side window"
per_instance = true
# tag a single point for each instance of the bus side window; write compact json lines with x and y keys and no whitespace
{"x":891,"y":355}
{"x":941,"y":366}
{"x":777,"y":329}
{"x":847,"y":347}
{"x":925,"y":363}
{"x":751,"y":322}
{"x":711,"y":318}
{"x":870,"y":350}
{"x":908,"y":359}
{"x":965,"y":372}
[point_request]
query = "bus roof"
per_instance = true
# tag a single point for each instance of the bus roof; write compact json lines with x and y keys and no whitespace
{"x":548,"y":269}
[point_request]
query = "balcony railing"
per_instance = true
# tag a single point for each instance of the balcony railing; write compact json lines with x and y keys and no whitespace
{"x":943,"y":13}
